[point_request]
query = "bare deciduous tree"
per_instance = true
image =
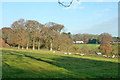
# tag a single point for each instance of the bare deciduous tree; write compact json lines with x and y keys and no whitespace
{"x":66,"y":5}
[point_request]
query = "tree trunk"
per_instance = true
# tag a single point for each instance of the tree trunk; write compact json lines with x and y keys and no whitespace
{"x":67,"y":49}
{"x":39,"y":45}
{"x":58,"y":47}
{"x":50,"y":45}
{"x":18,"y":46}
{"x":27,"y":47}
{"x":22,"y":47}
{"x":33,"y":45}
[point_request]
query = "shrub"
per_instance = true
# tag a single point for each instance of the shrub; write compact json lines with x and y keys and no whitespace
{"x":74,"y":49}
{"x":85,"y":49}
{"x":92,"y":51}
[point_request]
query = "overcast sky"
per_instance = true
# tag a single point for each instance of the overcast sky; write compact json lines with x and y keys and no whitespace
{"x":82,"y":17}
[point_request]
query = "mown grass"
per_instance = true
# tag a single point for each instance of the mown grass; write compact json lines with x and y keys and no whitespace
{"x":45,"y":64}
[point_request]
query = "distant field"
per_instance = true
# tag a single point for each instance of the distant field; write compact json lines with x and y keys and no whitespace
{"x":94,"y":46}
{"x":90,"y":46}
{"x":45,"y":64}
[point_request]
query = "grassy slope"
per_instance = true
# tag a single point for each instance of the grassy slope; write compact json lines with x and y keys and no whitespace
{"x":44,"y":64}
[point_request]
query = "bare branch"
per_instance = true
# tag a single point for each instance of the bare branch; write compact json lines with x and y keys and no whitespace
{"x":62,"y":3}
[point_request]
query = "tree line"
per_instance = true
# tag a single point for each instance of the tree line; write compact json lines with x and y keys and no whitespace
{"x":87,"y":38}
{"x":32,"y":34}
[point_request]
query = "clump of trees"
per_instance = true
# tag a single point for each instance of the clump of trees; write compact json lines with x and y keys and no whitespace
{"x":103,"y":39}
{"x":32,"y":34}
{"x":0,"y":34}
{"x":85,"y":50}
{"x":75,"y":49}
{"x":105,"y":46}
{"x":4,"y":32}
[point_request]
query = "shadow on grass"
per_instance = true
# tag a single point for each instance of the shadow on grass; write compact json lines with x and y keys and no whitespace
{"x":80,"y":67}
{"x":11,"y":71}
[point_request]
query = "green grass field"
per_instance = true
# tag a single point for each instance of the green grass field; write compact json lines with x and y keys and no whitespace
{"x":90,"y":46}
{"x":45,"y":64}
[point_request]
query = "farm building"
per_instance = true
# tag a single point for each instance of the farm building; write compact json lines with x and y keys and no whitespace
{"x":78,"y":42}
